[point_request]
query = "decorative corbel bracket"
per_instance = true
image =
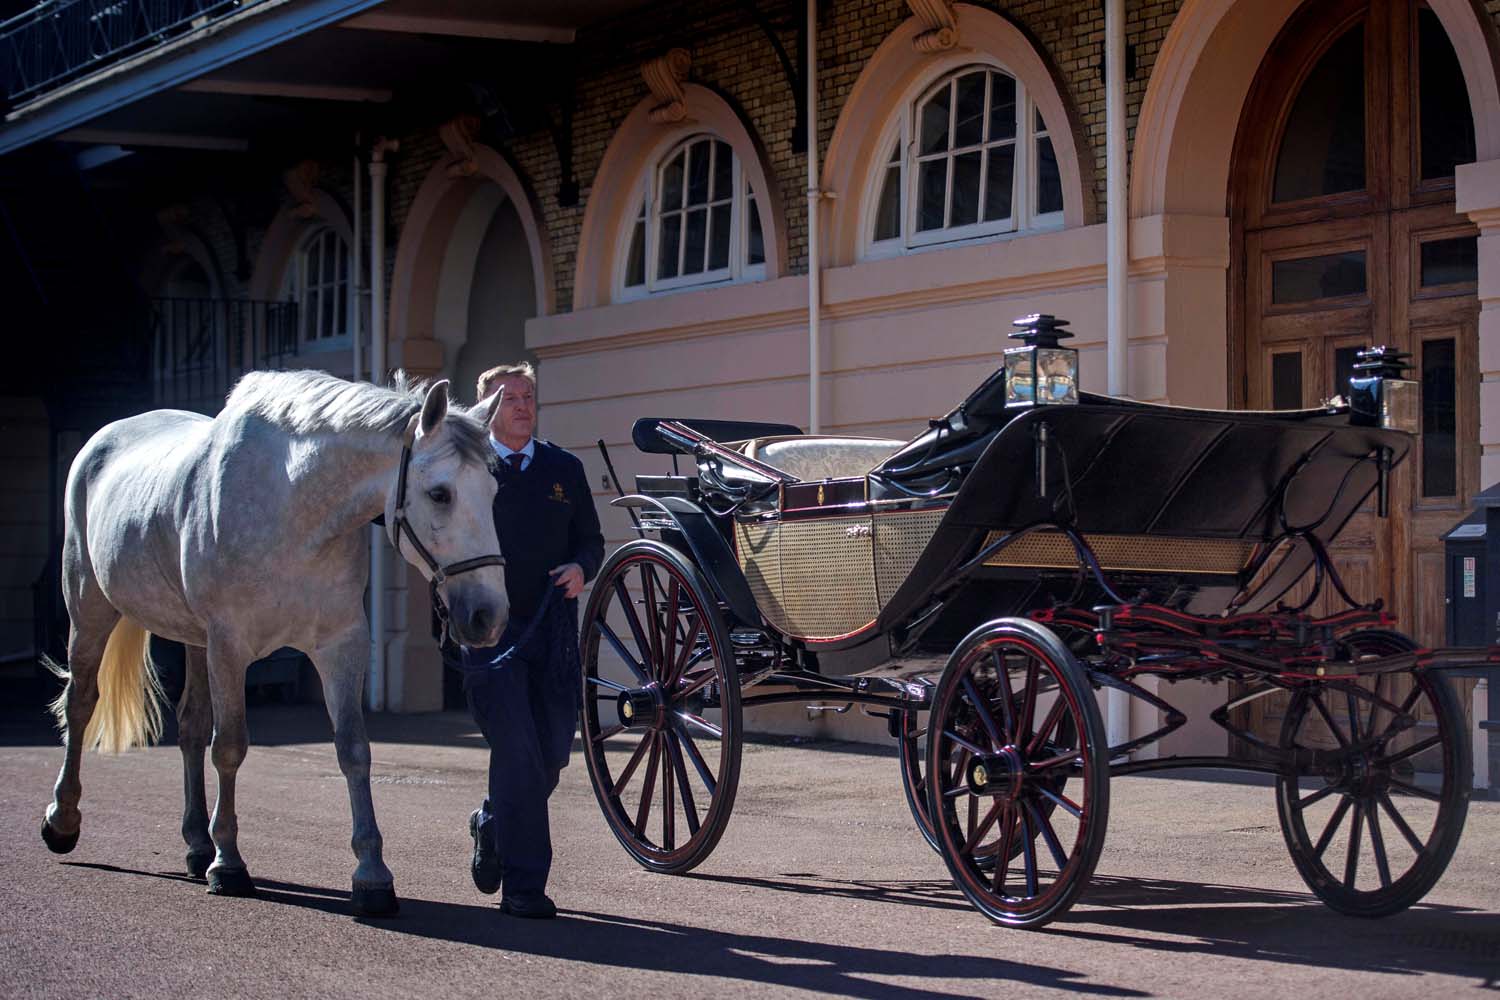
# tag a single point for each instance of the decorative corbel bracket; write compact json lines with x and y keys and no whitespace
{"x":458,"y":135}
{"x":302,"y":182}
{"x":664,"y":76}
{"x":939,"y":25}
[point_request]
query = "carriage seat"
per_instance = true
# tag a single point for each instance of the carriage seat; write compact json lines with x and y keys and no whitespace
{"x":814,"y":458}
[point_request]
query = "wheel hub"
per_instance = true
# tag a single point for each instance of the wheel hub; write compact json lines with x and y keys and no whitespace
{"x":998,"y":773}
{"x":641,"y":707}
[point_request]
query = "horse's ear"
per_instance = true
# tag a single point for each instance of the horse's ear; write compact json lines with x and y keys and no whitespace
{"x":484,"y":410}
{"x":434,"y":407}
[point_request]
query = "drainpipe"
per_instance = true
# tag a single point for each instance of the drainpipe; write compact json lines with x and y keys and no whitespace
{"x":1117,"y":703}
{"x":376,"y":689}
{"x":356,"y":270}
{"x":814,"y":264}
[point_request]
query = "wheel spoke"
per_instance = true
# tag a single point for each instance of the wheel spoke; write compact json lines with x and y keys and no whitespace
{"x":1027,"y":719}
{"x":982,"y":709}
{"x":1333,"y":726}
{"x":649,"y":588}
{"x":689,"y":808}
{"x":668,"y":803}
{"x":1400,"y":823}
{"x":643,"y":813}
{"x":606,"y":683}
{"x":669,"y":639}
{"x":971,"y":748}
{"x":1351,"y":861}
{"x":1008,"y":821}
{"x":1353,"y":709}
{"x":1054,"y":716}
{"x":1007,"y":696}
{"x":1377,"y":844}
{"x":702,"y":724}
{"x":635,"y":760}
{"x":689,"y":642}
{"x":1049,"y":835}
{"x":696,"y":683}
{"x":643,"y":647}
{"x":607,"y":732}
{"x":699,"y":764}
{"x":1412,"y":750}
{"x":973,"y":822}
{"x":1028,"y":849}
{"x":1317,"y":796}
{"x":1063,"y":802}
{"x":1041,"y":767}
{"x":1420,"y":793}
{"x":1331,"y":828}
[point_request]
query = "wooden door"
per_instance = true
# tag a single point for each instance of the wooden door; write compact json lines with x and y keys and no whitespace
{"x":1344,"y":235}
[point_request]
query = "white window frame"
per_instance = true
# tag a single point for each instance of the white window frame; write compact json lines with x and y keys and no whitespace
{"x":738,"y":270}
{"x":297,"y":289}
{"x":1024,"y":217}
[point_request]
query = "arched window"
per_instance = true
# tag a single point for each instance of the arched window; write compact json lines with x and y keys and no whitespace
{"x":318,"y":281}
{"x":697,"y":222}
{"x":971,"y":157}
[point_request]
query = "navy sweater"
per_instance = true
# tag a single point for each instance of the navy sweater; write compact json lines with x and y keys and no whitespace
{"x":544,"y":517}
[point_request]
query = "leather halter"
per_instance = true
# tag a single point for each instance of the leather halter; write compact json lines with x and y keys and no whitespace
{"x":440,"y":573}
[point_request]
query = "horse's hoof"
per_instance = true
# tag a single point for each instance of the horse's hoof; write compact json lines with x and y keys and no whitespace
{"x":230,"y":882}
{"x":197,"y":863}
{"x":59,"y":843}
{"x":375,"y":903}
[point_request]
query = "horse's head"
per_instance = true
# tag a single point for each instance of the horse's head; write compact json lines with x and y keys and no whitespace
{"x":448,"y":509}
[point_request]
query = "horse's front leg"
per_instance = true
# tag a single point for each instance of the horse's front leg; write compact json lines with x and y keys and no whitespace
{"x":341,"y":664}
{"x":227,"y":876}
{"x":195,"y":726}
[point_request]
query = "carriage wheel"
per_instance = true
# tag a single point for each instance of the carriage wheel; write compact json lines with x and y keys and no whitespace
{"x":657,"y":666}
{"x":1016,"y":755}
{"x":1369,"y":835}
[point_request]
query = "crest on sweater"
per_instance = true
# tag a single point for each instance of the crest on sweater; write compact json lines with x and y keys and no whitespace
{"x":558,"y":494}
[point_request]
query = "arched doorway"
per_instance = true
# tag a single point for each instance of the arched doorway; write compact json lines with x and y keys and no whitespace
{"x":1344,"y":234}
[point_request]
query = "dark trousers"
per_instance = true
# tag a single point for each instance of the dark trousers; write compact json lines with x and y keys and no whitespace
{"x":528,"y":720}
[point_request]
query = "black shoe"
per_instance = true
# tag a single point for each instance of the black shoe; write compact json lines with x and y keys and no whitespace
{"x":485,"y":867}
{"x":532,"y":906}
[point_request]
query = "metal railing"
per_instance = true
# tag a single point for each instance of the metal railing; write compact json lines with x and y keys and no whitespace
{"x":200,"y":347}
{"x":60,"y":40}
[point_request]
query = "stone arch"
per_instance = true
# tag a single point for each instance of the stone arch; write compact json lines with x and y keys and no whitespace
{"x":1185,"y":137}
{"x":892,"y":77}
{"x":435,"y":220}
{"x":636,"y":145}
{"x":286,"y":232}
{"x":181,"y":244}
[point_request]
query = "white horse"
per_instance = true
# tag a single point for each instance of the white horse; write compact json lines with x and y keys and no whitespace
{"x":247,"y":532}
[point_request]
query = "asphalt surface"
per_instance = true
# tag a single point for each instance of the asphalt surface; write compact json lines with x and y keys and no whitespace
{"x":821,"y":886}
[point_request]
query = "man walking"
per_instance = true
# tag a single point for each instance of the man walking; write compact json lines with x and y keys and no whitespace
{"x":527,"y":706}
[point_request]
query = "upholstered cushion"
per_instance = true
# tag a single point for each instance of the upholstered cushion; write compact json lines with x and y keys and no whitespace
{"x":812,"y":458}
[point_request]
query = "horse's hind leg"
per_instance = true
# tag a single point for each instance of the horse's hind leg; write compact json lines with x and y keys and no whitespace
{"x":340,"y":663}
{"x":92,"y":621}
{"x":195,"y":725}
{"x":227,"y":876}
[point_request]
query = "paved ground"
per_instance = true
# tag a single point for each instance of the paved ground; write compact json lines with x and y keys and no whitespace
{"x":821,"y":886}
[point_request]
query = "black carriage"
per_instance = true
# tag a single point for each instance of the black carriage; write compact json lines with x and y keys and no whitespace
{"x":1047,"y":544}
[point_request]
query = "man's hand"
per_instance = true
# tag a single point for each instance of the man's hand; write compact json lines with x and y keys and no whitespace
{"x":568,"y":576}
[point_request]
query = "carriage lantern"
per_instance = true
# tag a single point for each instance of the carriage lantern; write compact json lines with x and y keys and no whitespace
{"x":1042,"y":371}
{"x":1379,"y":393}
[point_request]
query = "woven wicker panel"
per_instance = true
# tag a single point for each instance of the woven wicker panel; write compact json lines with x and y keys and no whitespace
{"x":1130,"y":553}
{"x":828,"y":578}
{"x":759,"y":549}
{"x":900,"y":537}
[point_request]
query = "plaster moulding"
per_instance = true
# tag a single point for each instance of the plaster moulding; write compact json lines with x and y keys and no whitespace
{"x":459,"y":135}
{"x":302,"y":182}
{"x":939,"y":25}
{"x":664,"y":76}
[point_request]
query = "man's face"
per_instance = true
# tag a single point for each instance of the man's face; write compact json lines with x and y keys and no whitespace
{"x":515,"y":419}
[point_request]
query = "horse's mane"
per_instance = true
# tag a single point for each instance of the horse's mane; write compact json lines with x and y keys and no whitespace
{"x":307,"y":402}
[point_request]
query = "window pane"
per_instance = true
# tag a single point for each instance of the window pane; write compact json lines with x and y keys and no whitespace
{"x":968,"y":122}
{"x":1002,"y":107}
{"x":325,"y":314}
{"x":935,"y":122}
{"x":1307,"y":278}
{"x":635,"y":264}
{"x":1439,"y":420}
{"x":965,"y":189}
{"x":667,"y":244}
{"x":698,"y":155}
{"x":895,"y":153}
{"x":1343,"y":369}
{"x":888,"y":210}
{"x":1447,"y":123}
{"x":997,"y":192}
{"x":1286,"y":381}
{"x":1450,"y":262}
{"x":312,"y":263}
{"x":723,"y":171}
{"x":671,"y":183}
{"x":1323,"y":148}
{"x":718,"y":237}
{"x":330,"y":250}
{"x":1038,"y":125}
{"x":1049,"y":196}
{"x":932,"y":183}
{"x":756,"y":254}
{"x":697,"y":241}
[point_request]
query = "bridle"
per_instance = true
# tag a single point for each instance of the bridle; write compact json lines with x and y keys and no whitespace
{"x":439,"y":573}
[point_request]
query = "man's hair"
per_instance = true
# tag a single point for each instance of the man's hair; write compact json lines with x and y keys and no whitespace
{"x":486,"y":383}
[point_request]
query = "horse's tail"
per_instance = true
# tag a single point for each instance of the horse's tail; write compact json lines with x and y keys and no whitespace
{"x":130,"y":697}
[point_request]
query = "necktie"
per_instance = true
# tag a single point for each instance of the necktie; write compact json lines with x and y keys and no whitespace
{"x":515,"y":459}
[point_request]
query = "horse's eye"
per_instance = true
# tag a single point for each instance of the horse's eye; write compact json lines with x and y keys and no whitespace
{"x":439,"y":495}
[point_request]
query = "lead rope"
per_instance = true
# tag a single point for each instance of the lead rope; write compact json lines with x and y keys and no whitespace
{"x":526,"y":637}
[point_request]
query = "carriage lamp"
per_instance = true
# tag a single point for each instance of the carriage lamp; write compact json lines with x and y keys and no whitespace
{"x":1380,"y":395}
{"x":1042,"y":371}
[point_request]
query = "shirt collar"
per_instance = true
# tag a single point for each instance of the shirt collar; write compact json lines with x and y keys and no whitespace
{"x":529,"y":451}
